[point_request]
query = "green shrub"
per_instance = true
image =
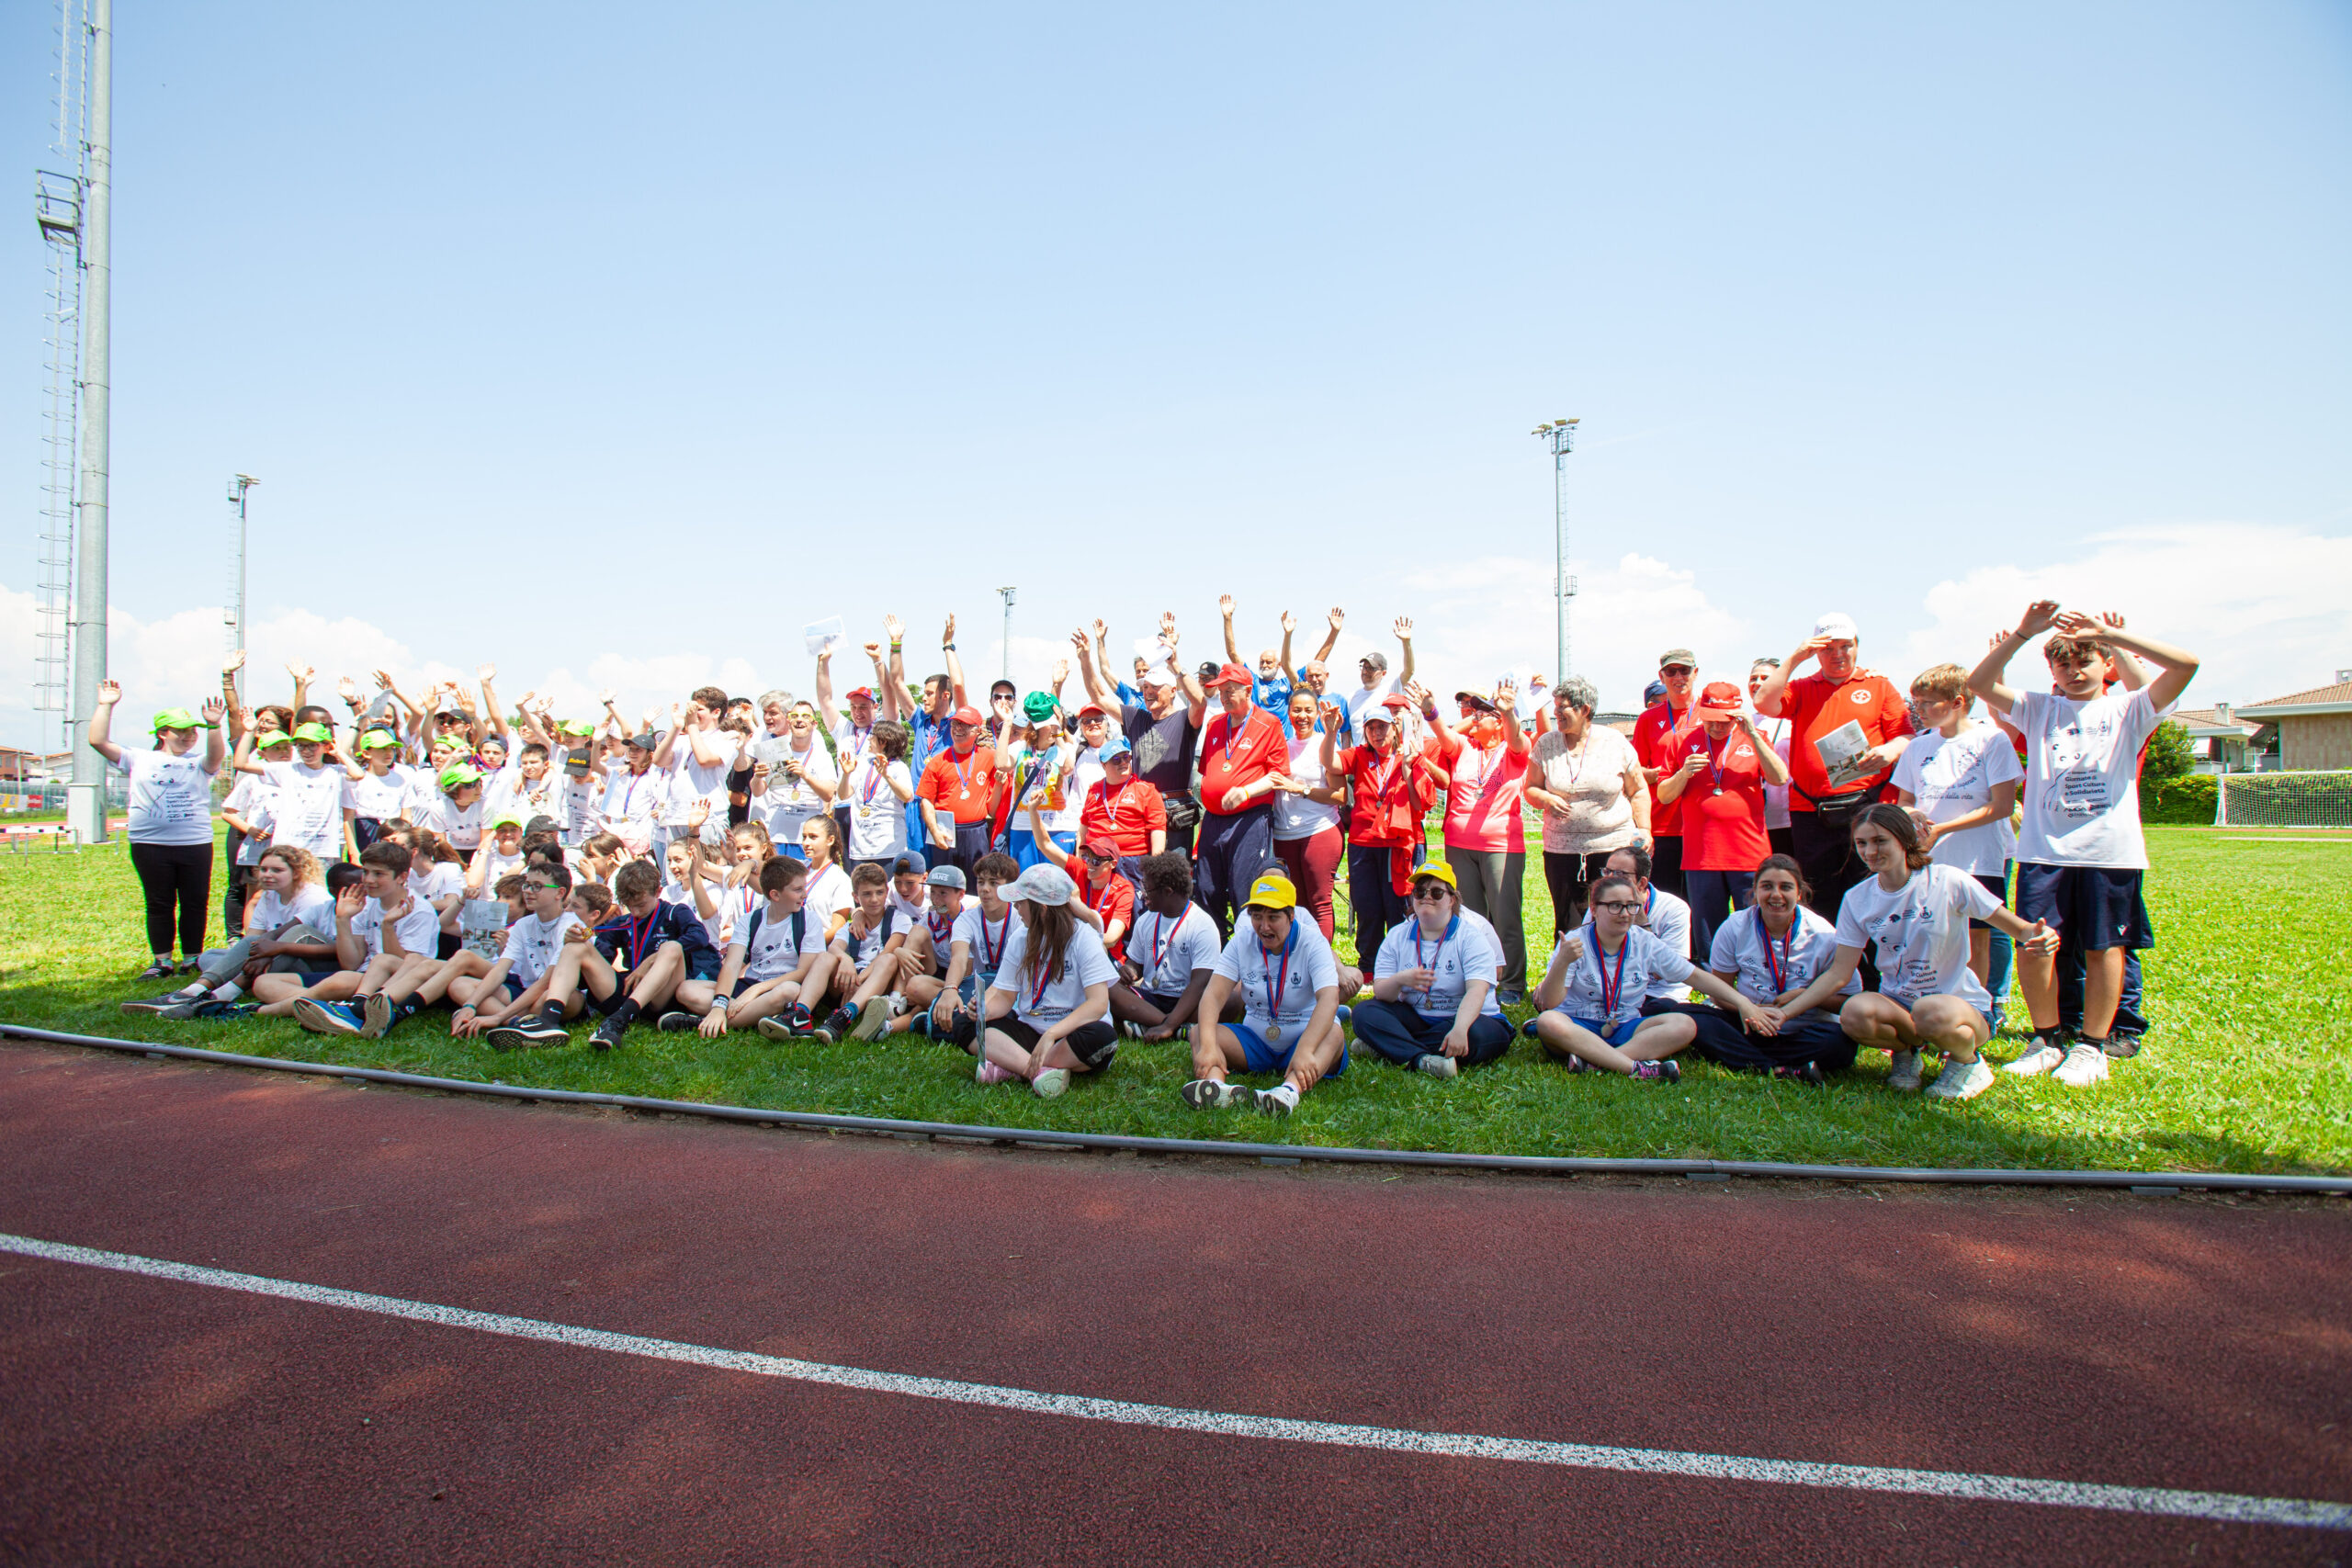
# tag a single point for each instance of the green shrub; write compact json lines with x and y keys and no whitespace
{"x":2187,"y":799}
{"x":2170,"y":755}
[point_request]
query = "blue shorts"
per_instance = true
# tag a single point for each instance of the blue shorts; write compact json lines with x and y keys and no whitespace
{"x":513,"y":988}
{"x":1260,"y":1055}
{"x":2091,"y":908}
{"x":1613,"y":1035}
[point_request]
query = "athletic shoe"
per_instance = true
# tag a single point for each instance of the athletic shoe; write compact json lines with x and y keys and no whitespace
{"x":2123,"y":1046}
{"x":226,"y":1012}
{"x":1345,"y":1013}
{"x":2086,"y":1065}
{"x":1804,"y":1072}
{"x":871,"y":1018}
{"x":1209,"y":1094}
{"x":798,"y":1019}
{"x":1961,"y":1080}
{"x":1049,"y":1083}
{"x":773,"y":1028}
{"x":2041,"y":1054}
{"x":376,"y":1017}
{"x":1436,"y":1065}
{"x":1277,"y":1102}
{"x":160,"y":970}
{"x":1132,"y":1030}
{"x":1668,"y":1071}
{"x":1527,"y":1030}
{"x":158,"y":1004}
{"x":608,"y":1034}
{"x":1577,"y":1064}
{"x":538,"y":1030}
{"x":326,"y":1017}
{"x":899,"y":1006}
{"x":180,"y":1010}
{"x":1905,"y":1074}
{"x":1510,"y":997}
{"x":989,"y":1072}
{"x":836,"y":1027}
{"x":676,"y":1022}
{"x":191,"y":967}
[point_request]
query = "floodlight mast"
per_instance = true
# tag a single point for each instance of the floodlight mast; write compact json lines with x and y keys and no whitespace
{"x":1008,"y":593}
{"x":235,"y":614}
{"x":1560,"y":435}
{"x":85,"y":813}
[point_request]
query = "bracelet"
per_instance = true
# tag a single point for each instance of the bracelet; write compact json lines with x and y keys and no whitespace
{"x":946,"y":647}
{"x":897,"y":645}
{"x":719,"y":1003}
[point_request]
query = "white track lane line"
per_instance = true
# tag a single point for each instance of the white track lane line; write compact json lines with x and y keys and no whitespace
{"x":2222,"y":1506}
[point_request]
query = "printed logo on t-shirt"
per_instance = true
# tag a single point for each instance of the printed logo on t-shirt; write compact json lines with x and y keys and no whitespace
{"x":1861,"y":698}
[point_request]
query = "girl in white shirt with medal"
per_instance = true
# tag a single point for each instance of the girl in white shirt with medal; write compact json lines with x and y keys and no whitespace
{"x":1771,"y":951}
{"x":1917,"y":914}
{"x":1592,"y":994}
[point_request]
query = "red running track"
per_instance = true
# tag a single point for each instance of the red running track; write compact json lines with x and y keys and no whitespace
{"x":2199,"y":1344}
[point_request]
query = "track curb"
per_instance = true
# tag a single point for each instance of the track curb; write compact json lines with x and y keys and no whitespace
{"x":2147,"y":1183}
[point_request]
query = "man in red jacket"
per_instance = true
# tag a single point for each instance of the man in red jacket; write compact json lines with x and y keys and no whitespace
{"x":1243,"y":759}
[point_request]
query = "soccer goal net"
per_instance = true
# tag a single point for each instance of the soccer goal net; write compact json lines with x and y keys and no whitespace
{"x":2285,"y":800}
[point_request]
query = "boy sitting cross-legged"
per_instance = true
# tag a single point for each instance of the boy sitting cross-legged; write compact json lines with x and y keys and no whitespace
{"x":652,"y":948}
{"x":870,"y":952}
{"x":775,"y":958}
{"x":386,"y":939}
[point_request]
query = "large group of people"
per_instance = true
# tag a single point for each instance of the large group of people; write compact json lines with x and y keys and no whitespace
{"x":1774,"y":876}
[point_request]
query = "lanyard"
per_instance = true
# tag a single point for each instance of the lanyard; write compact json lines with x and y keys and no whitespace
{"x":939,"y":934}
{"x":1088,"y":893}
{"x":1038,"y":997}
{"x":1233,"y":735}
{"x":1429,"y":963}
{"x":1277,"y":984}
{"x":1163,"y":934}
{"x":1715,"y":763}
{"x":1610,"y":987}
{"x":638,"y":931}
{"x":872,"y":787}
{"x":992,"y":951}
{"x":1778,"y":968}
{"x":1110,"y":802}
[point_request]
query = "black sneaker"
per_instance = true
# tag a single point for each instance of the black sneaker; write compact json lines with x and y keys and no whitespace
{"x":773,"y":1028}
{"x":1668,"y":1071}
{"x":1804,"y":1072}
{"x":608,"y":1034}
{"x":376,"y":1017}
{"x":836,"y":1027}
{"x":1527,"y":1030}
{"x":160,"y":970}
{"x":798,"y":1019}
{"x":158,"y":1004}
{"x":190,"y":967}
{"x":2121,"y":1044}
{"x":537,"y":1030}
{"x":676,"y":1022}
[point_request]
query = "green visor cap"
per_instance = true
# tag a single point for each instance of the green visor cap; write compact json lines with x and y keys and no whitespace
{"x":459,"y":776}
{"x":578,"y":726}
{"x":379,"y":739}
{"x":506,"y":819}
{"x":177,"y":718}
{"x":318,"y":733}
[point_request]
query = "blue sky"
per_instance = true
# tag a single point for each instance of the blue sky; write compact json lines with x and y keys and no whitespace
{"x":612,"y":344}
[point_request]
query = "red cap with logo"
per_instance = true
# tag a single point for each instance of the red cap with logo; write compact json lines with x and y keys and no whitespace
{"x":1229,"y":675}
{"x":967,"y":714}
{"x":1718,"y":700}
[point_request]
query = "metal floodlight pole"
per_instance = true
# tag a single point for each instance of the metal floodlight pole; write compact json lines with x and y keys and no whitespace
{"x":1008,"y":593}
{"x":85,"y":810}
{"x":235,"y":615}
{"x":1560,"y":435}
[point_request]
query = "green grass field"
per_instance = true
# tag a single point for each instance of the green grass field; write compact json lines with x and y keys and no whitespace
{"x":2245,"y":1070}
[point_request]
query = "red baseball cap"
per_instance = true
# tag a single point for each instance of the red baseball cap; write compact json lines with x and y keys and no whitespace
{"x":1104,"y":845}
{"x":1717,"y":700}
{"x":866,"y":692}
{"x":967,"y":714}
{"x":1395,"y":700}
{"x":1093,"y":707}
{"x":1229,"y":675}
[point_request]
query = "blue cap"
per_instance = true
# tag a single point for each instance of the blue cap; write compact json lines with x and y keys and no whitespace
{"x":1115,"y":746}
{"x":909,"y":860}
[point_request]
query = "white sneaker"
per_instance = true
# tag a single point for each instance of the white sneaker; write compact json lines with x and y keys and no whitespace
{"x":1905,"y":1074}
{"x":872,"y":1019}
{"x":898,"y":1005}
{"x":1961,"y":1080}
{"x":2085,"y":1065}
{"x":1278,"y":1102}
{"x":1049,"y":1083}
{"x":1437,"y":1065}
{"x":2041,"y":1054}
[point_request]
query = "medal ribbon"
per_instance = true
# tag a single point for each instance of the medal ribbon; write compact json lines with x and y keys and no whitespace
{"x":1609,"y":987}
{"x":1276,"y":986}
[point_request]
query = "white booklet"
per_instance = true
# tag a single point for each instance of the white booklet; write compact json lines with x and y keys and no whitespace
{"x":481,"y":927}
{"x":1844,"y":753}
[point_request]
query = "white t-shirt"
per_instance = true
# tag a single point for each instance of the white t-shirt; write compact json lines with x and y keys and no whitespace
{"x":987,"y":940}
{"x":496,"y":866}
{"x":1921,"y":932}
{"x":633,"y":801}
{"x":249,"y":797}
{"x":790,"y":799}
{"x":1775,"y":734}
{"x":878,"y":817}
{"x":1743,"y":948}
{"x":2082,"y":792}
{"x":1669,"y":919}
{"x":382,"y":798}
{"x":1364,"y":697}
{"x":1171,"y":952}
{"x":691,"y":780}
{"x":309,"y":804}
{"x":863,"y":950}
{"x":434,"y":880}
{"x":460,"y":824}
{"x":419,"y":930}
{"x":769,"y":950}
{"x":1952,"y":778}
{"x":171,"y":797}
{"x":1296,"y":816}
{"x":828,"y":894}
{"x":1590,"y":776}
{"x":1084,"y":964}
{"x":312,"y":905}
{"x":1255,"y":972}
{"x":1463,"y":954}
{"x":532,"y":944}
{"x":1644,"y":966}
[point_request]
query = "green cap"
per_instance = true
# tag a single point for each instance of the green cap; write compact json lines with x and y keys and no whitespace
{"x":377,"y":739}
{"x":503,"y":819}
{"x":269,"y":738}
{"x":1039,"y":706}
{"x":578,"y":726}
{"x":316,"y":732}
{"x":178,"y":718}
{"x":460,"y":775}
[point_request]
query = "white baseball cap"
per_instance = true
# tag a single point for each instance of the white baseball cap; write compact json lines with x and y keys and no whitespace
{"x":1837,"y":626}
{"x":1039,"y":885}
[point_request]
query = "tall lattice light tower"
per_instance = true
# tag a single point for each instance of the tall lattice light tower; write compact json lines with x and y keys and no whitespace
{"x":234,"y":614}
{"x":1560,"y":435}
{"x":58,"y":210}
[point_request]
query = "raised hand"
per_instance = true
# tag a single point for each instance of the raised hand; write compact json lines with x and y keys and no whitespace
{"x":212,"y":710}
{"x":874,"y":651}
{"x":351,"y":900}
{"x":1419,"y":692}
{"x":1290,"y":623}
{"x":698,"y":814}
{"x":608,"y":696}
{"x":1404,"y":628}
{"x":948,"y":634}
{"x":894,"y":628}
{"x":1339,"y":617}
{"x":1100,"y":630}
{"x":244,"y":716}
{"x":300,"y":671}
{"x":485,"y":673}
{"x":1061,"y":671}
{"x":2074,"y":623}
{"x":234,"y":662}
{"x":1225,"y":605}
{"x":109,"y":692}
{"x":348,"y":690}
{"x":1167,"y":627}
{"x":2111,"y":620}
{"x":2040,"y":617}
{"x":383,"y":678}
{"x":1078,"y":641}
{"x":1331,"y":712}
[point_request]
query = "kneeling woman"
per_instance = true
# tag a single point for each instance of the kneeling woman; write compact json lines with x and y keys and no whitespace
{"x":1917,"y":914}
{"x":1049,"y":1009}
{"x":1771,"y":952}
{"x":1433,"y":1005}
{"x":1592,"y":994}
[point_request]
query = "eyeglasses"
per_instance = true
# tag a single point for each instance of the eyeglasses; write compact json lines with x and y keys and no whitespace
{"x":1617,"y":905}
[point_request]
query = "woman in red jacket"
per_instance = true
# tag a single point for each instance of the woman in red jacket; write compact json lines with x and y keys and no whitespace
{"x":1390,"y":785}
